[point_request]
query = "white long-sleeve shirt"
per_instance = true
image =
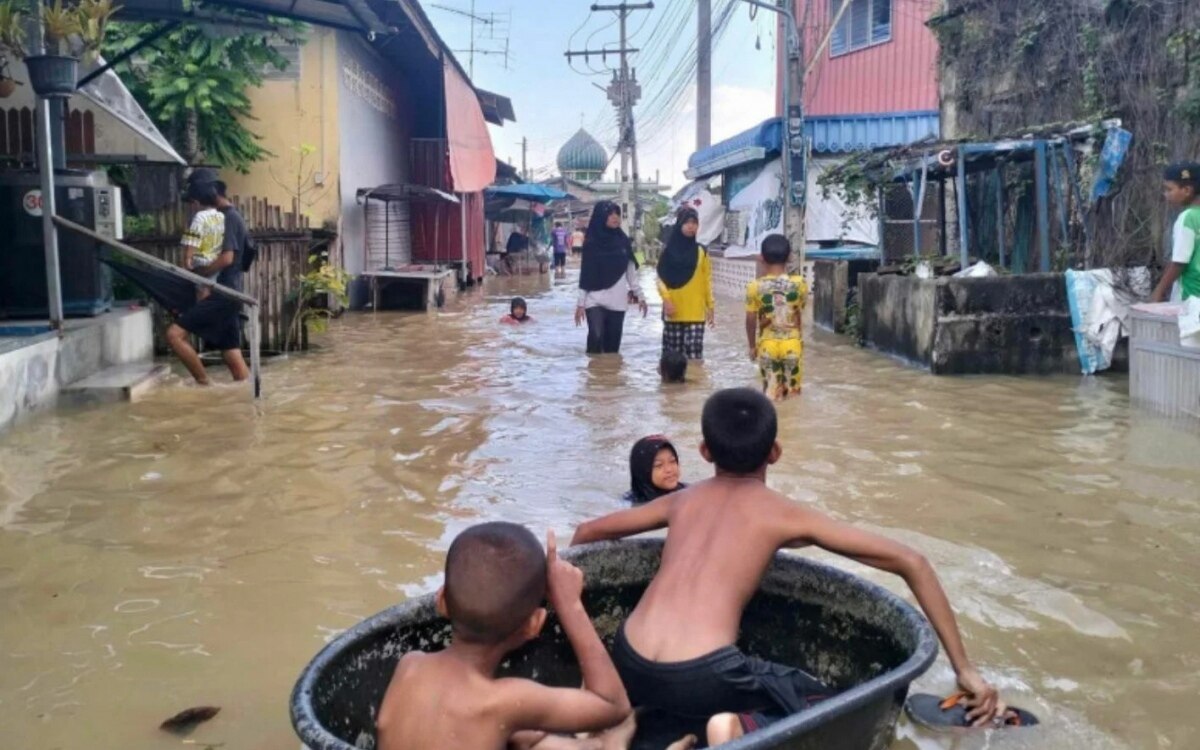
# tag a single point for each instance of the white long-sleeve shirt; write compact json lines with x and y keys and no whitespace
{"x":616,"y":297}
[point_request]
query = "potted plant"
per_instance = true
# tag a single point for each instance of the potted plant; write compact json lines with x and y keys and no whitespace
{"x":70,"y":31}
{"x":12,"y":47}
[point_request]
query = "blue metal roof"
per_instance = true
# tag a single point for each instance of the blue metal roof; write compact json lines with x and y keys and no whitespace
{"x":846,"y":133}
{"x":828,"y":135}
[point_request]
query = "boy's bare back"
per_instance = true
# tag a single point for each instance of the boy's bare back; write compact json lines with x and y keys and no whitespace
{"x":722,"y":536}
{"x":437,"y":701}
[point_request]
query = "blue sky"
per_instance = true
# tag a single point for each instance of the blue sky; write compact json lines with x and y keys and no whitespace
{"x":551,"y":99}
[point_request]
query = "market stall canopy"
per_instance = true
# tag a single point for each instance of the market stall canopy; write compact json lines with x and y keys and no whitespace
{"x":530,"y":192}
{"x":122,"y":130}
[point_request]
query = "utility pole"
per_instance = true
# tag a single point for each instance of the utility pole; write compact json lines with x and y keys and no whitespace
{"x":624,"y":92}
{"x":524,"y":150}
{"x":704,"y":74}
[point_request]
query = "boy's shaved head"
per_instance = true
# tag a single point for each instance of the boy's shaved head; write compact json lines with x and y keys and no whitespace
{"x":495,"y":578}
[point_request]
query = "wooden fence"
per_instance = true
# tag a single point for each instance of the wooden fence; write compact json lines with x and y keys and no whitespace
{"x":284,"y":243}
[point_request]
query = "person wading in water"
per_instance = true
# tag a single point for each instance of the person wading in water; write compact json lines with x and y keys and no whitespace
{"x":607,"y":280}
{"x":686,"y":284}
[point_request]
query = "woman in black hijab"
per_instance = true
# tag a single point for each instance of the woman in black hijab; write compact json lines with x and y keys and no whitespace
{"x":653,"y":470}
{"x":685,"y":282}
{"x":608,"y":280}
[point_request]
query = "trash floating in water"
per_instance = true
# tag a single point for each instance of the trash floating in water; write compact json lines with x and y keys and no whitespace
{"x":186,"y":720}
{"x":151,"y":476}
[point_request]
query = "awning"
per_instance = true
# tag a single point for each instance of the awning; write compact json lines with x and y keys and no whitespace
{"x":351,"y":15}
{"x":533,"y":192}
{"x":472,"y":160}
{"x":123,"y":131}
{"x":754,"y":144}
{"x":827,"y":134}
{"x":403,"y":192}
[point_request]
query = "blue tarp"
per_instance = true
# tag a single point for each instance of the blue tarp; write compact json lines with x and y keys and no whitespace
{"x":529,"y":192}
{"x":765,"y":136}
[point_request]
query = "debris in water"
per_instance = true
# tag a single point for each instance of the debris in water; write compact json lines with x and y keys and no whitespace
{"x":185,"y":721}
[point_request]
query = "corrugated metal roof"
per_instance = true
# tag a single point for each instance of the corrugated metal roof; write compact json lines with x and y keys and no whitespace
{"x":828,"y":135}
{"x":843,"y":134}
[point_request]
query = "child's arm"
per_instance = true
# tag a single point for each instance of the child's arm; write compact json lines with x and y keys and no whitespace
{"x":653,"y":515}
{"x":602,"y":702}
{"x":1170,"y":275}
{"x":665,"y":293}
{"x":752,"y":334}
{"x":803,"y":526}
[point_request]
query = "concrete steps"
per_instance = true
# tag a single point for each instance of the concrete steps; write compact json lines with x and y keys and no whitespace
{"x":127,"y":382}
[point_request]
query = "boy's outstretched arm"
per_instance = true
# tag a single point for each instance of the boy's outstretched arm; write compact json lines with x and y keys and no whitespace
{"x":804,"y":526}
{"x":653,"y":515}
{"x":602,"y":702}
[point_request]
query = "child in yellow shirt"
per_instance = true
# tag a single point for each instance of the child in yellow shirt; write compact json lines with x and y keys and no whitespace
{"x":774,"y":323}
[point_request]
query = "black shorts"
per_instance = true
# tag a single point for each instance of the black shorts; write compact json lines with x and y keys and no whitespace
{"x":724,"y":681}
{"x":560,"y":260}
{"x":217,"y":321}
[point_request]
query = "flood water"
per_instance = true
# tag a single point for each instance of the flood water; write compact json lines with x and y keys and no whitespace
{"x":196,"y":548}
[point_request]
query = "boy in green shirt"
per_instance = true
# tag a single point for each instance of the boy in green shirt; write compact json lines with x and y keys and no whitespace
{"x":1181,"y":187}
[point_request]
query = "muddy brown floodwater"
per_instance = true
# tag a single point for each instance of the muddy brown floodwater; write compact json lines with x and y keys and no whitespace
{"x":196,"y":548}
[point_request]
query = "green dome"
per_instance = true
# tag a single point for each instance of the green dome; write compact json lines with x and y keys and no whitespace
{"x":582,"y":153}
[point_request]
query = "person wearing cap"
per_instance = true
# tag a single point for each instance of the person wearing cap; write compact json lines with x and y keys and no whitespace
{"x":214,"y":318}
{"x":1181,"y":278}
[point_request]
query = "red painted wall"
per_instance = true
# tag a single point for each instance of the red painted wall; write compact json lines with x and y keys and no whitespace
{"x":894,"y":76}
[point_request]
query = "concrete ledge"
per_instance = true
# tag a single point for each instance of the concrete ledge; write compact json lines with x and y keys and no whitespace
{"x":34,"y":370}
{"x":1014,"y":325}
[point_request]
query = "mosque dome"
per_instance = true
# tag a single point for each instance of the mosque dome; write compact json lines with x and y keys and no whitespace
{"x":582,"y":154}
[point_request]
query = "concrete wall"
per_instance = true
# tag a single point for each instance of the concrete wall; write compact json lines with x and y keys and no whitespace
{"x":297,"y":108}
{"x":374,"y":119}
{"x":1007,"y":324}
{"x":831,"y":285}
{"x":32,"y":374}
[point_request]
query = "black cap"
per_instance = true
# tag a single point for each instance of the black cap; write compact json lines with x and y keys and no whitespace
{"x":1184,"y":172}
{"x":201,"y":182}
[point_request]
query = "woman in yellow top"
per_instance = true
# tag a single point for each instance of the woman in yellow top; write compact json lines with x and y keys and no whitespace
{"x":686,"y":285}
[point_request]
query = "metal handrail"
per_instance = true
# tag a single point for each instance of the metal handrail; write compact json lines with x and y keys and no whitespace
{"x":220,"y":289}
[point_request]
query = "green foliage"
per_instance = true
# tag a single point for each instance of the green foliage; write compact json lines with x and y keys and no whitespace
{"x":194,"y":85}
{"x":322,"y":282}
{"x":651,"y":221}
{"x":1185,"y":45}
{"x":139,"y":226}
{"x":12,"y":32}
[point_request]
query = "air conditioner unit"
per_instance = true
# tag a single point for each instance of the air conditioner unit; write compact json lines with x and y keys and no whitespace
{"x":737,"y":223}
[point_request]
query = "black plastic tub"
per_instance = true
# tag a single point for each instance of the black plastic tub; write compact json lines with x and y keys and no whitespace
{"x":854,"y":635}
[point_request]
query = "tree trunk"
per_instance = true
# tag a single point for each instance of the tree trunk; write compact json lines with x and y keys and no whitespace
{"x":191,"y":137}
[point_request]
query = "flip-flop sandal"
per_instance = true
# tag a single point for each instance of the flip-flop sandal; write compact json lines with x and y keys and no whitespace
{"x":950,"y":713}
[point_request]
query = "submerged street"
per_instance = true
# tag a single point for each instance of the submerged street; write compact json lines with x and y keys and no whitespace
{"x":198,"y":549}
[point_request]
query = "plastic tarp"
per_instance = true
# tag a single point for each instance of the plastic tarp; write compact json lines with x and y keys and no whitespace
{"x":122,"y":127}
{"x":1099,"y":311}
{"x":472,"y":160}
{"x":830,"y":219}
{"x":762,"y":202}
{"x":708,"y":208}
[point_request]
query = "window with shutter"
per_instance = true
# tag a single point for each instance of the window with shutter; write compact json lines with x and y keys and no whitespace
{"x":863,"y":24}
{"x":289,"y":51}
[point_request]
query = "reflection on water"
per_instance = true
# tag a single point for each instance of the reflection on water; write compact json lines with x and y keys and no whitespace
{"x":197,"y":548}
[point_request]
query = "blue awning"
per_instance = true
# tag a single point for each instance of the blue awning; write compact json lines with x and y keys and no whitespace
{"x":529,"y":191}
{"x":827,"y":134}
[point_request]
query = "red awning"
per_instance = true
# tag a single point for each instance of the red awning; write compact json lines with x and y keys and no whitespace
{"x":472,"y":161}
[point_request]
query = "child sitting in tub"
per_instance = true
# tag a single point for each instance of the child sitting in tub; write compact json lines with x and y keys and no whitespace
{"x":678,"y":651}
{"x":653,"y":470}
{"x":496,"y":579}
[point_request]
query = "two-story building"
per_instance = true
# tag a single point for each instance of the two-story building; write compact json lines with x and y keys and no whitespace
{"x":871,"y":81}
{"x":351,"y":115}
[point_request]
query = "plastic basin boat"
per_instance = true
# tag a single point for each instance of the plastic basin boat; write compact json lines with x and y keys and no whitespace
{"x":854,"y":635}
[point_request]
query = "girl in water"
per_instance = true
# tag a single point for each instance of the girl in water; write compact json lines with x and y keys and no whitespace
{"x":685,"y":282}
{"x":653,"y":470}
{"x":608,"y":280}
